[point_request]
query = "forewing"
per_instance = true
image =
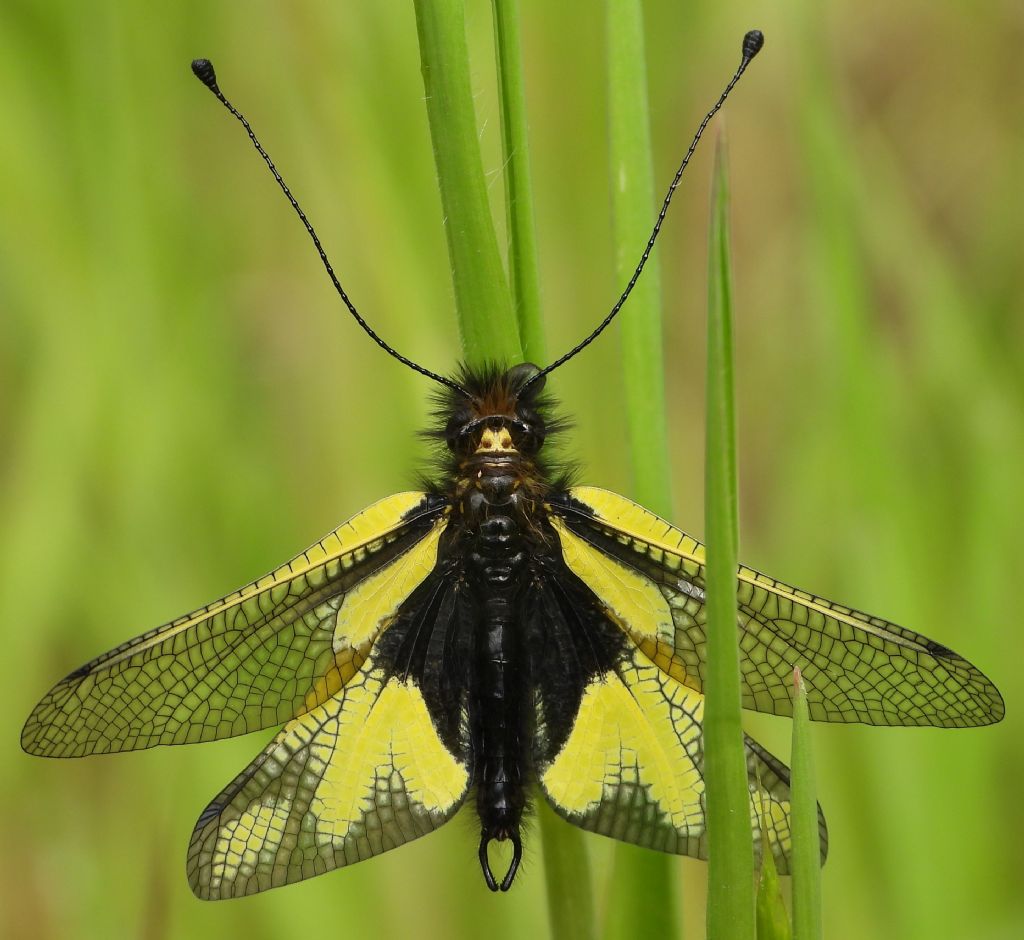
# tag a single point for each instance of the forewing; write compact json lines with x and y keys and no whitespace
{"x":255,"y":658}
{"x":632,"y":767}
{"x":361,"y":773}
{"x":857,"y":668}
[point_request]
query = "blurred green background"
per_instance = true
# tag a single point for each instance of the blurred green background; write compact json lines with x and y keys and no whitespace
{"x":183,"y":404}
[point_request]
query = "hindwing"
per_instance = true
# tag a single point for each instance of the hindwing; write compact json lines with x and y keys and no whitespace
{"x":629,"y":761}
{"x":361,"y":773}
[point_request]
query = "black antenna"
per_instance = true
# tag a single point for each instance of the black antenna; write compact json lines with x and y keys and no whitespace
{"x":203,"y":70}
{"x":752,"y":43}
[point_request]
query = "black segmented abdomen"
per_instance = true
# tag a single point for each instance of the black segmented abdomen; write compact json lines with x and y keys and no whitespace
{"x":499,"y":713}
{"x":502,"y":639}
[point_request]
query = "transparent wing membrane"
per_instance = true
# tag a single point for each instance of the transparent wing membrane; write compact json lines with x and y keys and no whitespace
{"x":857,"y":668}
{"x":253,"y":659}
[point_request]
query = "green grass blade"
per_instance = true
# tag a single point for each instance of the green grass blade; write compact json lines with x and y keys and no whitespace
{"x":772,"y":918}
{"x":730,"y":913}
{"x":806,"y":844}
{"x":633,"y":208}
{"x":566,"y":864}
{"x":524,"y":274}
{"x":567,"y":876}
{"x":642,"y":897}
{"x":482,"y":300}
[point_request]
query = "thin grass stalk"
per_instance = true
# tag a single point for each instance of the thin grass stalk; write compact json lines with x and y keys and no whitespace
{"x":567,"y":878}
{"x":633,"y":208}
{"x":806,"y":838}
{"x":772,"y":917}
{"x":482,"y":300}
{"x":642,"y":898}
{"x":730,"y":911}
{"x":566,"y":864}
{"x":523,"y":267}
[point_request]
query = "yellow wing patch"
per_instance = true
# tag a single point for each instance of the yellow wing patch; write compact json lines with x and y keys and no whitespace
{"x":625,"y":740}
{"x":633,"y":521}
{"x":348,"y":545}
{"x":632,"y":768}
{"x":371,"y":604}
{"x":633,"y":600}
{"x":359,"y":774}
{"x":367,"y":609}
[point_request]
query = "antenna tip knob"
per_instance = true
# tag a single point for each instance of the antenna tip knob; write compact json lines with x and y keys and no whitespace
{"x":752,"y":43}
{"x":203,"y":70}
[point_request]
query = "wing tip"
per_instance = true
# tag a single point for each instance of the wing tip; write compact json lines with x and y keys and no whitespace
{"x":783,"y":773}
{"x":996,"y":711}
{"x":34,"y":740}
{"x":992,"y":707}
{"x":201,"y":887}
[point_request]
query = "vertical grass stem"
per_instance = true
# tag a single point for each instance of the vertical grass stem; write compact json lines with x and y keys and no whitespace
{"x":730,"y":912}
{"x":523,"y":268}
{"x":642,"y":899}
{"x":482,"y":300}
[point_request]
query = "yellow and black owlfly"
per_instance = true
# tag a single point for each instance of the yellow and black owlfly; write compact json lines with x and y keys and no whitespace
{"x":501,"y":631}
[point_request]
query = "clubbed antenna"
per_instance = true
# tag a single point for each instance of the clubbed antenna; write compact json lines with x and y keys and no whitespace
{"x":752,"y":43}
{"x":204,"y":71}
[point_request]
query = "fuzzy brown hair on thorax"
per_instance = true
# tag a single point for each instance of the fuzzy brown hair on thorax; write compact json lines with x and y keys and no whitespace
{"x":492,"y":393}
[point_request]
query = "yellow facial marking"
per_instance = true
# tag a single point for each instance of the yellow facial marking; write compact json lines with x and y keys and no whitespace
{"x":496,"y":441}
{"x":633,"y":600}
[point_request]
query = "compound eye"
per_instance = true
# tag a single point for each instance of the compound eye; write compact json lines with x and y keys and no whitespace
{"x":528,"y":433}
{"x":454,"y":435}
{"x":463,"y":436}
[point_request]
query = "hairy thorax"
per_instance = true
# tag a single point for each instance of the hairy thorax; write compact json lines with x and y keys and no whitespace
{"x":500,"y":483}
